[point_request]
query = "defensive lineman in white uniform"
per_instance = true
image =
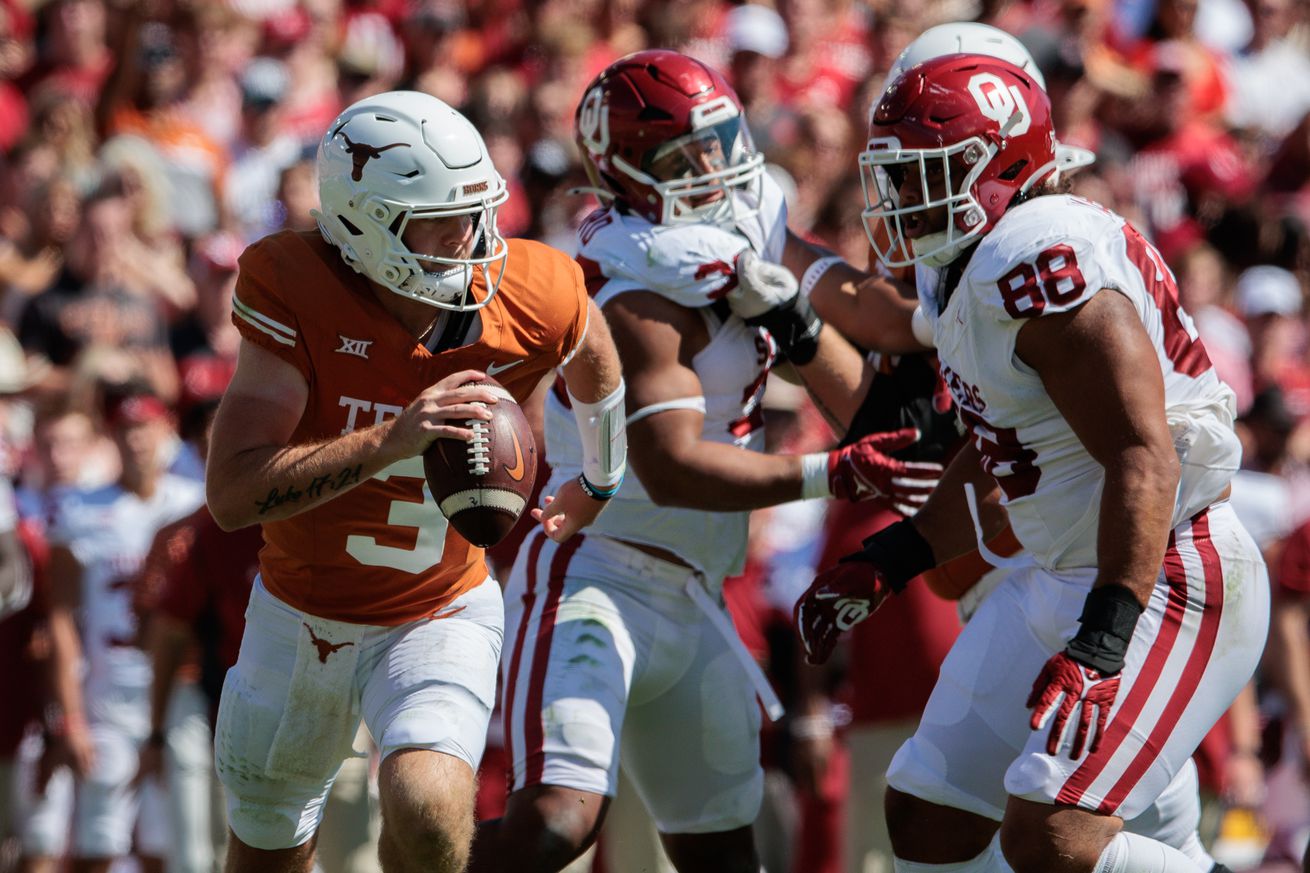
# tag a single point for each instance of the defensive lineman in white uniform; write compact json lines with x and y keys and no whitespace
{"x":618,"y":647}
{"x":1145,"y":609}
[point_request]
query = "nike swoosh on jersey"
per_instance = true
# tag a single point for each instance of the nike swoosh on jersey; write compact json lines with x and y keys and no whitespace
{"x":515,"y":472}
{"x":493,"y":369}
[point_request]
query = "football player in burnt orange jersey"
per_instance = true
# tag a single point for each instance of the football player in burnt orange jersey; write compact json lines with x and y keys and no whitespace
{"x":356,"y":350}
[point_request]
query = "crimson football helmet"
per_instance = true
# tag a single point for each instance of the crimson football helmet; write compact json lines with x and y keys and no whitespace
{"x":666,"y":136}
{"x":978,"y":131}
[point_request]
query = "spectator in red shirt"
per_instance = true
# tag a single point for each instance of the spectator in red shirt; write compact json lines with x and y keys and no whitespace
{"x":75,"y":58}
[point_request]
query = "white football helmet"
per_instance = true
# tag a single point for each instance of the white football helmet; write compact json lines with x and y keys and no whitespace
{"x":400,"y":156}
{"x":973,"y":38}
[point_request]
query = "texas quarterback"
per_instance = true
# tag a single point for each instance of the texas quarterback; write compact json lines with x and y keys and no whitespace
{"x":357,"y":344}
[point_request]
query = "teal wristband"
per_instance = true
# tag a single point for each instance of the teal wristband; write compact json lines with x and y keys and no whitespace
{"x":596,"y":493}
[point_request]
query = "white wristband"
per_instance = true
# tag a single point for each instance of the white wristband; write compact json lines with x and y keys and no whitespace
{"x":814,"y":476}
{"x":814,"y":272}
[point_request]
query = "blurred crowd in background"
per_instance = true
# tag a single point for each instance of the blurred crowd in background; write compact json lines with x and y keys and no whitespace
{"x":145,"y":143}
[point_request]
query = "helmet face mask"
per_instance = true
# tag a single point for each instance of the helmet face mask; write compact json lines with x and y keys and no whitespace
{"x":666,"y":137}
{"x":401,"y":157}
{"x":945,"y":205}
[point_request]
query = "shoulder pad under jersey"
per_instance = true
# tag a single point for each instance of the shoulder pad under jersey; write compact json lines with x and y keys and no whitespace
{"x":691,"y":264}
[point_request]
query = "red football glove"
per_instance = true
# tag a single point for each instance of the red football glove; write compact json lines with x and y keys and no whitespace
{"x":1063,"y":685}
{"x":864,"y":471}
{"x":837,"y":600}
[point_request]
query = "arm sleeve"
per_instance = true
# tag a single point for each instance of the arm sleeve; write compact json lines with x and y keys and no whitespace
{"x":261,"y":309}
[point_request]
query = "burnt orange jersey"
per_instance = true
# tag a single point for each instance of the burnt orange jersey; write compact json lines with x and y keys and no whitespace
{"x":382,"y":553}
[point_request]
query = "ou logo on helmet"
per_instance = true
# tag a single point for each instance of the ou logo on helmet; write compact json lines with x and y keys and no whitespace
{"x":999,"y":103}
{"x":594,"y":121}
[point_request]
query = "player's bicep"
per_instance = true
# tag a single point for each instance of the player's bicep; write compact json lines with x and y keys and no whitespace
{"x":593,"y":369}
{"x":656,"y":340}
{"x":262,"y":406}
{"x":1101,"y":371}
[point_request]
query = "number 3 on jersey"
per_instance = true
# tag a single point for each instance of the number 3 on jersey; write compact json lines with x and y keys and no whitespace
{"x":1054,"y":276}
{"x":426,"y":517}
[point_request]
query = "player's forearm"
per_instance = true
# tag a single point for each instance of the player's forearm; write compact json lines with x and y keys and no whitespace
{"x":717,"y":477}
{"x":871,"y":311}
{"x":269,"y":483}
{"x":1136,"y":513}
{"x":837,"y":379}
{"x":867,"y":309}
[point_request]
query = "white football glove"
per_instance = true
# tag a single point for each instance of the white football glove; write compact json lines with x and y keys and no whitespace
{"x":762,"y":286}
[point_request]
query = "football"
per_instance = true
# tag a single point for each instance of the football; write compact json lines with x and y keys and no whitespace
{"x":483,"y":485}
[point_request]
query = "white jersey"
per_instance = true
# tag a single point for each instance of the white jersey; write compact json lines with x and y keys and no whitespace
{"x":109,"y":531}
{"x":1046,"y":256}
{"x":694,"y":266}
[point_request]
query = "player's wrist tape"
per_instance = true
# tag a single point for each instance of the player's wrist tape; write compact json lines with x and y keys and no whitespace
{"x":602,"y":427}
{"x":815,"y":271}
{"x":814,"y":476}
{"x":795,"y":327}
{"x":899,"y":552}
{"x":1108,"y":620}
{"x":595,"y":492}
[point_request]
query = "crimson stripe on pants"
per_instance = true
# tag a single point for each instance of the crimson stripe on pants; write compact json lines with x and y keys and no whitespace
{"x":1076,"y":785}
{"x":533,"y":727}
{"x":1197,"y":660}
{"x":511,"y":679}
